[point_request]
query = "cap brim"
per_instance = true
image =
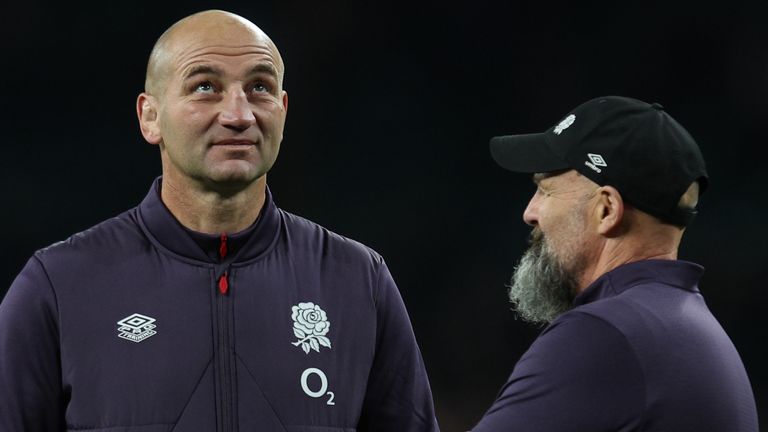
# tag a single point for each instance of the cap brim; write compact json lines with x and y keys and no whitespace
{"x":527,"y":153}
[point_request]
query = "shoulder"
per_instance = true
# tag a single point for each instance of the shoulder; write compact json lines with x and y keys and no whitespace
{"x":307,"y":235}
{"x":580,"y":346}
{"x":119,"y":235}
{"x":312,"y":246}
{"x":645,"y":311}
{"x":577,"y":331}
{"x":579,"y":362}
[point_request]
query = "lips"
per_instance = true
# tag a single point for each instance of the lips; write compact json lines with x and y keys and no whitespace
{"x":235,"y":143}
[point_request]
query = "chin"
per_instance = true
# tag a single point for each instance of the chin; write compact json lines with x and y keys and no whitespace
{"x":234,"y":170}
{"x":233,"y":178}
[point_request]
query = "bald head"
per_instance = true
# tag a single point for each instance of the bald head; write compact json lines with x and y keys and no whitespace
{"x":223,"y":27}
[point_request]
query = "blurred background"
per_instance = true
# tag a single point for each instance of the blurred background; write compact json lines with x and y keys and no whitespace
{"x":392,"y":105}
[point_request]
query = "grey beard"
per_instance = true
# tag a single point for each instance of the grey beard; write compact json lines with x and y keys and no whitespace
{"x":542,"y":288}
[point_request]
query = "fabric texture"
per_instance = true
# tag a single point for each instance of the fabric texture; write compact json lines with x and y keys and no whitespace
{"x":124,"y":327}
{"x":640,"y":351}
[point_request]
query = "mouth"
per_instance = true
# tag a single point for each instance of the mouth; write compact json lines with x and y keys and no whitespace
{"x":235,"y":143}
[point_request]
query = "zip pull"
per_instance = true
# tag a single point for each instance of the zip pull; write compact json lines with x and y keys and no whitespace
{"x":223,"y":246}
{"x":223,"y":283}
{"x":223,"y":279}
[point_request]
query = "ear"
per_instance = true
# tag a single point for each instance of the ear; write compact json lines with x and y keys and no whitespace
{"x":146,"y":109}
{"x":609,"y":211}
{"x":285,"y":101}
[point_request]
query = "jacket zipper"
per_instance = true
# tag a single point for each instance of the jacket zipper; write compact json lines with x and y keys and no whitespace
{"x":223,"y":279}
{"x":225,"y":372}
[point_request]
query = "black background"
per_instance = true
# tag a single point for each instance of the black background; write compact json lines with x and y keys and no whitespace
{"x":391,"y":108}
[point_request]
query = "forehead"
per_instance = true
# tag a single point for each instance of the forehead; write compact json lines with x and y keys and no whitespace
{"x":554,"y":177}
{"x":571,"y":179}
{"x":244,"y":53}
{"x":227,"y":44}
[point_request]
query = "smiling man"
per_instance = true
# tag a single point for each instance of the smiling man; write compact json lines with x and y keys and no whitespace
{"x":207,"y":308}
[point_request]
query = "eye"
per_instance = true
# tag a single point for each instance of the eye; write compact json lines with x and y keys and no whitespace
{"x":204,"y":87}
{"x":261,"y":87}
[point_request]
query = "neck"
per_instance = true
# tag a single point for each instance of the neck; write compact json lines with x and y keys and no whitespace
{"x":626,"y":249}
{"x":208,"y":211}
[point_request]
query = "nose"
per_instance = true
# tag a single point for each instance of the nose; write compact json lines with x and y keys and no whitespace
{"x":236,"y":112}
{"x":531,"y":213}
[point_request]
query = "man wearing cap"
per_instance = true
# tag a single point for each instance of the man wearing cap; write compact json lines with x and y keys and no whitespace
{"x":630,"y":343}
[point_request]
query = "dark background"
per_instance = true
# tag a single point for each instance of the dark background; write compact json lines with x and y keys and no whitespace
{"x":391,"y":108}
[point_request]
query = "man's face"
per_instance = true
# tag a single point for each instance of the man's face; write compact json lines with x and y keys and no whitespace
{"x":549,"y":274}
{"x":222,"y":109}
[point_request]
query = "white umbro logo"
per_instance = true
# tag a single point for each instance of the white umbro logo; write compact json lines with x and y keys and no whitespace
{"x":595,"y":160}
{"x":136,"y":327}
{"x":563,"y":125}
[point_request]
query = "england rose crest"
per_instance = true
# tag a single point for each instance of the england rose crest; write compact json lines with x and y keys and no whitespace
{"x":310,"y":325}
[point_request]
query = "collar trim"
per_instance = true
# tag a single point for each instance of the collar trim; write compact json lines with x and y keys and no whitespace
{"x":167,"y":233}
{"x":677,"y":273}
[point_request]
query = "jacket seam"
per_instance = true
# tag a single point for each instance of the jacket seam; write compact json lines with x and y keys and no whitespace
{"x":55,"y":297}
{"x":253,"y":377}
{"x":191,"y":395}
{"x":377,"y":285}
{"x":634,"y":357}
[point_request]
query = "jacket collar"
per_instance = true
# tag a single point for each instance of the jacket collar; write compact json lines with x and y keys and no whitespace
{"x":166,"y":232}
{"x":680,"y":274}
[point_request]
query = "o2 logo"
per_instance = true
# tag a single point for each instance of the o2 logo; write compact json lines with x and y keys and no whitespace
{"x":322,"y":391}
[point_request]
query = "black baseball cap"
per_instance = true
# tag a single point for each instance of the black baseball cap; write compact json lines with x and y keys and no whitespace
{"x":626,"y":143}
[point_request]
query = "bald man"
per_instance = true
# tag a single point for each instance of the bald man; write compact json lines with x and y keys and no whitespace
{"x":207,"y":308}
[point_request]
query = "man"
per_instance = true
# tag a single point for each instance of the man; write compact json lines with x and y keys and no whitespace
{"x":207,"y":308}
{"x":630,"y":345}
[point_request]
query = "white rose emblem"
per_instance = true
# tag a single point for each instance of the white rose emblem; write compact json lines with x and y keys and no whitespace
{"x":310,"y":325}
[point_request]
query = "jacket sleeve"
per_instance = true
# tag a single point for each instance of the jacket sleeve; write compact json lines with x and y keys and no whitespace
{"x":398,"y":396}
{"x":31,"y":397}
{"x":579,"y":375}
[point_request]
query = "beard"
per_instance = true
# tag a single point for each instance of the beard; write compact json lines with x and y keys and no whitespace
{"x":542,"y":286}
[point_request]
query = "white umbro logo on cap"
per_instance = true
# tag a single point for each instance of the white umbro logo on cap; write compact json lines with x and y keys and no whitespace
{"x":564,"y":124}
{"x":595,"y":160}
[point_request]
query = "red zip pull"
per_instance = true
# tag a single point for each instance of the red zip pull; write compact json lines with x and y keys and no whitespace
{"x":223,"y":283}
{"x":223,"y":280}
{"x":223,"y":246}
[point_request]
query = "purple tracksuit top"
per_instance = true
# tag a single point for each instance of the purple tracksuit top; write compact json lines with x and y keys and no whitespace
{"x":640,"y":351}
{"x":133,"y":326}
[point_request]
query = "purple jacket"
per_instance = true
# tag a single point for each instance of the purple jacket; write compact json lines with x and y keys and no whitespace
{"x":133,"y":326}
{"x":640,"y":351}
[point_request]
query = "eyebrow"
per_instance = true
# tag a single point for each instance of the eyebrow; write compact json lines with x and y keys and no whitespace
{"x":263,"y":68}
{"x":202,"y":70}
{"x":211,"y":70}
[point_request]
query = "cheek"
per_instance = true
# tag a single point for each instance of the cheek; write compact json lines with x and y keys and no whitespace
{"x":572,"y":234}
{"x":551,"y":218}
{"x":178,"y":121}
{"x":562,"y":231}
{"x":196,"y":116}
{"x":271,"y":116}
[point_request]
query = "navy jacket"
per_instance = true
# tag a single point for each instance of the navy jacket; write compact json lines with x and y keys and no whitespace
{"x":132,"y":326}
{"x":640,"y":351}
